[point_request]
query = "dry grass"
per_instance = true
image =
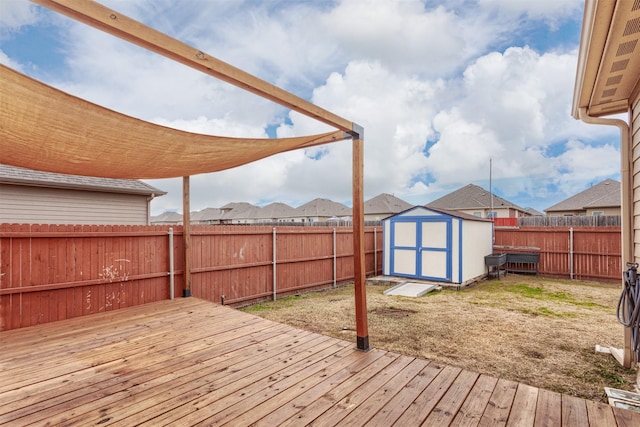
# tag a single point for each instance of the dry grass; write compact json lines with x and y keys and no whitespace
{"x":531,"y":330}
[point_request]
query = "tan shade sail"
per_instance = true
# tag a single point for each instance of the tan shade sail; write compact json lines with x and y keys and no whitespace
{"x":46,"y":129}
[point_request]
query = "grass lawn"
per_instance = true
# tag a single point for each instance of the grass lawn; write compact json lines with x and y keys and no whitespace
{"x":541,"y":332}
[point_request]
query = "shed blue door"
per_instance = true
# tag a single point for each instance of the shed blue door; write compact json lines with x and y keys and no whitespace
{"x":421,"y":247}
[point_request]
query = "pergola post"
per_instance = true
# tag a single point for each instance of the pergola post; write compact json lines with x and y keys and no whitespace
{"x":362,"y":328}
{"x":186,"y":227}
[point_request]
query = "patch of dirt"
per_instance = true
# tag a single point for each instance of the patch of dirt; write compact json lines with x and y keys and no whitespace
{"x":392,"y":312}
{"x":522,"y":328}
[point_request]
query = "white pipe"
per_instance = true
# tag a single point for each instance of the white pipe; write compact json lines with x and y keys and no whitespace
{"x":274,"y":263}
{"x":171,"y":270}
{"x":626,"y":203}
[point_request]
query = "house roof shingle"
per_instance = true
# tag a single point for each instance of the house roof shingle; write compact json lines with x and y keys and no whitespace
{"x":602,"y":195}
{"x":323,"y":208}
{"x":385,"y":204}
{"x":22,"y":176}
{"x":471,"y":197}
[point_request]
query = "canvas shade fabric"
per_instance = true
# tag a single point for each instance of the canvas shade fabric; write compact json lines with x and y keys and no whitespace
{"x":46,"y":129}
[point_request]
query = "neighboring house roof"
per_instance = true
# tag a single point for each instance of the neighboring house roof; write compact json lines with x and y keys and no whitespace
{"x":384,"y":204}
{"x":208,"y":214}
{"x":21,"y":176}
{"x":241,"y":210}
{"x":276,"y":210}
{"x":461,"y":215}
{"x":167,"y":217}
{"x":605,"y":194}
{"x":323,"y":208}
{"x":533,"y":212}
{"x":471,"y":197}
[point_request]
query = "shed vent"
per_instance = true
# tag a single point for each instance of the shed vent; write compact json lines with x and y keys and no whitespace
{"x":619,"y":65}
{"x":627,"y":47}
{"x":608,"y":92}
{"x":632,"y":27}
{"x":614,"y":80}
{"x":636,"y":5}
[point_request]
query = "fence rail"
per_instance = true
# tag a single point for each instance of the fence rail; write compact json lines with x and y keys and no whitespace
{"x":55,"y":272}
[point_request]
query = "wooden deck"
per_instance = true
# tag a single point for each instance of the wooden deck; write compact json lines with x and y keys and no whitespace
{"x":190,"y":362}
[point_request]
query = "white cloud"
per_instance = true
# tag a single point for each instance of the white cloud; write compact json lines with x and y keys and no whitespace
{"x":405,"y":36}
{"x":15,"y":14}
{"x":514,"y":108}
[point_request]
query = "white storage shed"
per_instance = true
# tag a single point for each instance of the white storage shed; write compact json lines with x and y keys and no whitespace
{"x":436,"y":244}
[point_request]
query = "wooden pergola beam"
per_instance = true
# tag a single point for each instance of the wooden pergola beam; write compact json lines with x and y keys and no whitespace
{"x":116,"y":24}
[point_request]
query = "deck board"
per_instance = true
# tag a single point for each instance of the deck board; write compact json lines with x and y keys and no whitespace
{"x":191,"y":362}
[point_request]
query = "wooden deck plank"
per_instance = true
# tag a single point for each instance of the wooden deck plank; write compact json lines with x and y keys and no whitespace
{"x":248,"y":410}
{"x":329,"y":391}
{"x":191,"y":381}
{"x":76,"y":361}
{"x":188,"y":361}
{"x":499,"y":407}
{"x":110,"y":352}
{"x":601,"y":414}
{"x":433,"y":391}
{"x":150,"y":355}
{"x":226,"y":393}
{"x":548,"y":409}
{"x":523,"y":410}
{"x":473,"y":407}
{"x":574,"y":411}
{"x":147,"y":383}
{"x":383,"y":395}
{"x":450,"y":404}
{"x":626,"y":418}
{"x":347,"y":395}
{"x":387,"y":414}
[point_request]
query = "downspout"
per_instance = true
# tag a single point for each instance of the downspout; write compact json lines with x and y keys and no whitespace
{"x":626,"y":203}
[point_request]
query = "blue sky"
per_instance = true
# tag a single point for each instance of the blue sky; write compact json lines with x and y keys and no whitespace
{"x":442,"y":88}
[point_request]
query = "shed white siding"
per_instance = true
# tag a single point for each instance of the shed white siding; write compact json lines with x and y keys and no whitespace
{"x":40,"y":205}
{"x":477,"y":242}
{"x":427,"y":244}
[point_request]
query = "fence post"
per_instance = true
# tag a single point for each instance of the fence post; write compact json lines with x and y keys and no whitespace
{"x":171,"y":270}
{"x":571,"y":253}
{"x":335,"y":257}
{"x":274,"y":263}
{"x":375,"y":252}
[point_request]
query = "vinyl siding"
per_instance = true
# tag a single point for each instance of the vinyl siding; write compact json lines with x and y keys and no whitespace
{"x":40,"y":205}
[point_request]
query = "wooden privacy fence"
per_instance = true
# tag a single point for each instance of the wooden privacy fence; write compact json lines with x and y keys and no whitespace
{"x":55,"y":272}
{"x":581,"y":253}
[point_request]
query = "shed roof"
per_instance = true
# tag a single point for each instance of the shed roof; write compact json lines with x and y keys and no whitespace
{"x":471,"y":197}
{"x":605,"y":194}
{"x":452,"y":213}
{"x":29,"y":177}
